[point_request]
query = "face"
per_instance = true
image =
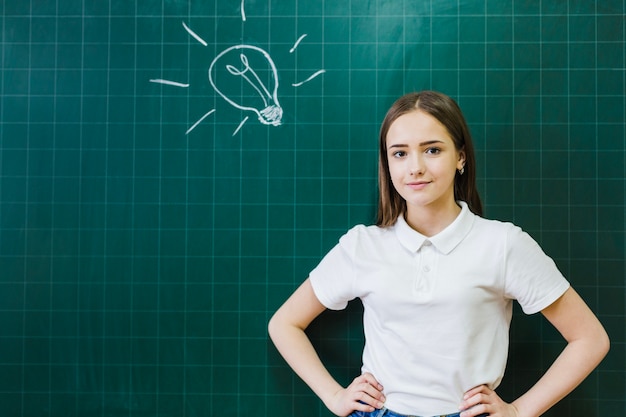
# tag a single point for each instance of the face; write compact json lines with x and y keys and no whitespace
{"x":423,"y":161}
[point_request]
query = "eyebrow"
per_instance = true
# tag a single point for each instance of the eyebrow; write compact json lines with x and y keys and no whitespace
{"x":426,"y":143}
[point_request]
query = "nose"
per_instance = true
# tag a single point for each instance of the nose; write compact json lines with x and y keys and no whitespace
{"x":416,"y":165}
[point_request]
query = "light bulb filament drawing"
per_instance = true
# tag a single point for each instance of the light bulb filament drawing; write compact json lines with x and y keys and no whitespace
{"x":258,"y":98}
{"x":257,"y":84}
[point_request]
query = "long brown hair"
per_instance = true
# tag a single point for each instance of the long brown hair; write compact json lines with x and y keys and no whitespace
{"x":447,"y":112}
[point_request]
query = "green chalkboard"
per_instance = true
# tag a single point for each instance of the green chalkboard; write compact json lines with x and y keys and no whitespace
{"x":171,"y":170}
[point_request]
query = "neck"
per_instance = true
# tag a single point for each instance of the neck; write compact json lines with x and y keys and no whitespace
{"x":430,"y":220}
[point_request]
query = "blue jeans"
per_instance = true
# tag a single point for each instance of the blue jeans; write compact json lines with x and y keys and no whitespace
{"x":384,"y":412}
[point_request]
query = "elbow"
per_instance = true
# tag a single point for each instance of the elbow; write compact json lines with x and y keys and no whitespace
{"x":599,"y":345}
{"x":274,"y":327}
{"x":604,"y":344}
{"x":271,"y":327}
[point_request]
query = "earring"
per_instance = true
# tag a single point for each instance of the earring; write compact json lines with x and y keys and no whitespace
{"x":462,"y":170}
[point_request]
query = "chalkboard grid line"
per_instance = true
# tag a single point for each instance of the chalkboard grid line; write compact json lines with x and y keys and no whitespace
{"x":107,"y":185}
{"x":23,"y":344}
{"x":214,"y":234}
{"x":132,"y":300}
{"x":2,"y":73}
{"x":76,"y":346}
{"x":292,"y":279}
{"x":53,"y":211}
{"x":407,"y":13}
{"x":597,"y":299}
{"x":159,"y":219}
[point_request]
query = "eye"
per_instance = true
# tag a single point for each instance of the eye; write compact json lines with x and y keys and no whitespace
{"x":398,"y":154}
{"x":433,"y":150}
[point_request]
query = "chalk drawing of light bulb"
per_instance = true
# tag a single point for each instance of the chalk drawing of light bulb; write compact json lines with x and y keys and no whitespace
{"x":246,"y":77}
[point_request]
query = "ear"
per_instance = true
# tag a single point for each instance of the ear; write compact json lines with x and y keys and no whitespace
{"x":461,"y":161}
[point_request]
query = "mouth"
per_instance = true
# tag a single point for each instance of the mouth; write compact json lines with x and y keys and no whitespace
{"x":417,"y":185}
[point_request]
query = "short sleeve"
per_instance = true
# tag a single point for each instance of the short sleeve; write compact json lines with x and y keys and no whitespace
{"x":333,"y":278}
{"x":531,"y":277}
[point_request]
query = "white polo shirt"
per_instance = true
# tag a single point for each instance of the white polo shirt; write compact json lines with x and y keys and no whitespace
{"x":437,"y":310}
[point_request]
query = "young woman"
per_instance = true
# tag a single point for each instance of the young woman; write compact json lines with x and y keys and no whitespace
{"x":437,"y":282}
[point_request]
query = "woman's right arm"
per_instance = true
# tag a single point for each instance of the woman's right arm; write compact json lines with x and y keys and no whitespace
{"x":287,"y":330}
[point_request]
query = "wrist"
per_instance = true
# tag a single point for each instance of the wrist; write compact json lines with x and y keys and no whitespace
{"x":520,"y":411}
{"x":329,"y":394}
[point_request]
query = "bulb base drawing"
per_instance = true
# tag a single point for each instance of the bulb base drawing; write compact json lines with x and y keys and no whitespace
{"x":271,"y":115}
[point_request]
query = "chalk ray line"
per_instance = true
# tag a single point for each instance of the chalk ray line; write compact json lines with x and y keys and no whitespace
{"x":168,"y":82}
{"x":240,"y":125}
{"x":243,"y":12}
{"x":309,"y":79}
{"x":295,"y":45}
{"x":194,"y":34}
{"x":199,"y":121}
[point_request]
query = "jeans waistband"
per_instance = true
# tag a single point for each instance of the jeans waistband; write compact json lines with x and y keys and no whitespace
{"x":385,"y":412}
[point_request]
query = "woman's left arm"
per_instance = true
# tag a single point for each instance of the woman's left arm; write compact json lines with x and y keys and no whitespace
{"x":587,"y":345}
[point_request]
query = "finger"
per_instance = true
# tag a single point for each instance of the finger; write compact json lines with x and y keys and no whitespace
{"x":361,"y":390}
{"x":479,"y":397}
{"x":373,"y":393}
{"x":372,"y":380}
{"x":365,"y":398}
{"x":470,"y":403}
{"x":367,"y":384}
{"x":476,"y":390}
{"x":478,"y":410}
{"x":362,"y":406}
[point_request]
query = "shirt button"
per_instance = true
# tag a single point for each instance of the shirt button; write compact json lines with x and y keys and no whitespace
{"x":426,"y":268}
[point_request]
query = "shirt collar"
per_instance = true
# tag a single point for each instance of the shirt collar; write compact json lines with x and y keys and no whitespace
{"x":444,"y":241}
